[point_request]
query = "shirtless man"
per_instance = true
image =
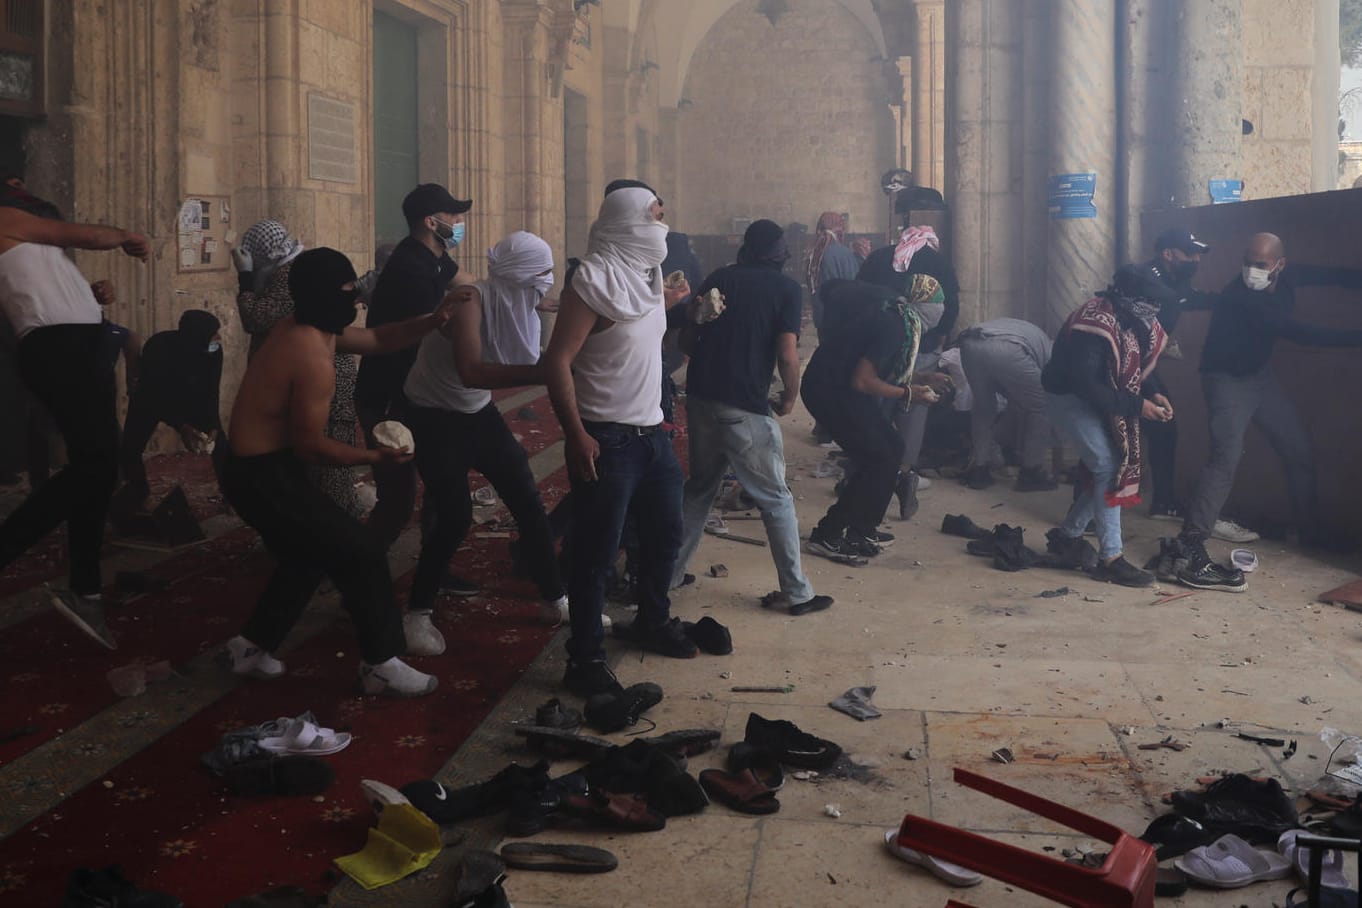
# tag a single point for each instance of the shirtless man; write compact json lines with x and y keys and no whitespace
{"x":277,"y":425}
{"x":56,"y":316}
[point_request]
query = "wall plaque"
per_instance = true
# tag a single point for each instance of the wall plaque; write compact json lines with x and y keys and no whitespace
{"x":331,"y":151}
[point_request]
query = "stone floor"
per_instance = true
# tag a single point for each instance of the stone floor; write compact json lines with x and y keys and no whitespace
{"x":965,"y":660}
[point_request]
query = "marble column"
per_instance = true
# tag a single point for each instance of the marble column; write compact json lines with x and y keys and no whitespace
{"x":1083,"y":139}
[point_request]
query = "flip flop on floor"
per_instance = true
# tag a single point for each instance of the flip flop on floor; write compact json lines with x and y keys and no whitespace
{"x":1331,"y":873}
{"x":1229,"y":863}
{"x":761,"y":761}
{"x":302,"y":737}
{"x":558,"y":858}
{"x":740,"y":791}
{"x":379,"y":795}
{"x":942,"y":870}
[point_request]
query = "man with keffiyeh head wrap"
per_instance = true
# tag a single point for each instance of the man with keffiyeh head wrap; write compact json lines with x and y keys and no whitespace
{"x":829,"y":259}
{"x":604,"y":372}
{"x":1099,"y":384}
{"x":867,"y":356}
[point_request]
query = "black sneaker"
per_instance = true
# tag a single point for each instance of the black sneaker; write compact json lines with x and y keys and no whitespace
{"x":1035,"y":479}
{"x":454,"y":585}
{"x":979,"y":478}
{"x":1122,"y":572}
{"x":821,"y":543}
{"x":611,"y":712}
{"x":1070,"y":553}
{"x":709,"y":635}
{"x":862,"y":545}
{"x":816,"y":604}
{"x":879,"y":537}
{"x":791,"y":745}
{"x":666,"y":639}
{"x":1205,"y":574}
{"x":586,"y":679}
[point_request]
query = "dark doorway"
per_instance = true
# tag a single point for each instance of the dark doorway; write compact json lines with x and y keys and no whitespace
{"x":396,"y":127}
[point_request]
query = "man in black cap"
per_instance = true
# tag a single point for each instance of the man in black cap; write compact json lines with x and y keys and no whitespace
{"x":413,"y":283}
{"x":279,"y":423}
{"x":728,"y":406}
{"x":1177,"y":256}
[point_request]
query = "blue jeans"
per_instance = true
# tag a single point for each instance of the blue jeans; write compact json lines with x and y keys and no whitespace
{"x":637,"y":475}
{"x":1086,"y":429}
{"x":722,"y":436}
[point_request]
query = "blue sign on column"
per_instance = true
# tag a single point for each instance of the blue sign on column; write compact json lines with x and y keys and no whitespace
{"x":1223,"y":192}
{"x":1071,"y":196}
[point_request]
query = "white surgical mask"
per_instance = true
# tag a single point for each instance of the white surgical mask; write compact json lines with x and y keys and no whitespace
{"x":1257,"y":278}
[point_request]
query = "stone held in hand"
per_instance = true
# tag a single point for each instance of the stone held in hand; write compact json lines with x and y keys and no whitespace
{"x":392,"y":434}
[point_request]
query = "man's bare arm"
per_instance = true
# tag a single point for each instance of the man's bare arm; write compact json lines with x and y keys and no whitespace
{"x":314,"y":384}
{"x":394,"y":336}
{"x":17,"y":226}
{"x":573,"y":326}
{"x":465,"y":334}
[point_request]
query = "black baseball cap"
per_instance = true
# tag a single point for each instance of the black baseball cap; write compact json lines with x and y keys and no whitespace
{"x":1140,"y":282}
{"x":430,"y":198}
{"x":1182,"y":240}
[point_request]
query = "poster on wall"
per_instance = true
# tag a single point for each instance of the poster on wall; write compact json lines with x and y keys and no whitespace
{"x":1226,"y":192}
{"x":201,"y":233}
{"x":1070,"y":196}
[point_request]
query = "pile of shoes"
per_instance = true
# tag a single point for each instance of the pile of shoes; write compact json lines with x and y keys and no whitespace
{"x":1006,"y":546}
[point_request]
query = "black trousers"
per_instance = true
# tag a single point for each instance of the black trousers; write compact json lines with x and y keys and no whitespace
{"x":62,"y":368}
{"x":394,"y":483}
{"x":1161,"y":439}
{"x":144,"y":415}
{"x":312,"y":538}
{"x":858,"y":424}
{"x":448,"y":446}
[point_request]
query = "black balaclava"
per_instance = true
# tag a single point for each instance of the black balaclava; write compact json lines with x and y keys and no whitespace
{"x":197,"y":328}
{"x":315,"y":282}
{"x":764,"y":244}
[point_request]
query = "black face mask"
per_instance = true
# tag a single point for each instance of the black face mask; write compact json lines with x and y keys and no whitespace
{"x":1183,"y":272}
{"x":332,"y":312}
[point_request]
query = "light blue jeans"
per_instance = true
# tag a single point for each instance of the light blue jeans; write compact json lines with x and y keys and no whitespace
{"x":1080,"y":423}
{"x":722,"y":436}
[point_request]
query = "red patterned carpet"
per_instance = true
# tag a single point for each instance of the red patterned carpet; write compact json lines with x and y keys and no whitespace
{"x":119,"y":781}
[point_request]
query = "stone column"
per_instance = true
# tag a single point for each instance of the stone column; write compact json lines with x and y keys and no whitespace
{"x":1083,"y":137}
{"x":928,"y":100}
{"x":1208,"y":98}
{"x":1035,"y":121}
{"x":983,"y":144}
{"x":1324,"y":95}
{"x":1149,"y":120}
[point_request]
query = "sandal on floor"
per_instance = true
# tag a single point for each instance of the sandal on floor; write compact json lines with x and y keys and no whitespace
{"x":558,"y":858}
{"x":740,"y":791}
{"x":1331,"y":874}
{"x":280,"y":776}
{"x":379,"y":795}
{"x":942,"y":870}
{"x":302,"y":737}
{"x":622,"y":811}
{"x":1230,"y":863}
{"x":762,"y":762}
{"x":686,"y":742}
{"x":562,"y":744}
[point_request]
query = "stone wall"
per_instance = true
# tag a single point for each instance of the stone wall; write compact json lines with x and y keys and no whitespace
{"x":784,"y":122}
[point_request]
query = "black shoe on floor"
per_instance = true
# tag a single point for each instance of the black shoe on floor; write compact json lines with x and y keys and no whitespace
{"x":1067,"y":552}
{"x":906,"y":490}
{"x":822,"y":543}
{"x":864,"y":545}
{"x":1122,"y":572}
{"x":454,"y":585}
{"x":791,"y":745}
{"x":816,"y":604}
{"x":610,"y":712}
{"x":960,"y":525}
{"x":665,"y":639}
{"x":553,"y":714}
{"x":1035,"y":479}
{"x":586,"y":679}
{"x":709,"y":635}
{"x":108,"y":888}
{"x":979,"y":478}
{"x":1205,"y":574}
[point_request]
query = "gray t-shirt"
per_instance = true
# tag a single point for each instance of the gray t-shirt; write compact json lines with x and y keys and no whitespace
{"x":1030,"y":337}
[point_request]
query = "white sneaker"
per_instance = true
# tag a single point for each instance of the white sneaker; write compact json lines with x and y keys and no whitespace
{"x":1229,"y":531}
{"x":556,"y":614}
{"x":395,"y":678}
{"x":423,"y":637}
{"x":923,"y":483}
{"x":252,"y":661}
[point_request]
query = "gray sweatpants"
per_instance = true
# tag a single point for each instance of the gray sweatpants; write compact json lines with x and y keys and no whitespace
{"x":911,"y":424}
{"x":996,"y":365}
{"x":1232,"y":402}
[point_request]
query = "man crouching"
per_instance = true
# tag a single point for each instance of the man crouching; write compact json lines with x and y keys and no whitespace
{"x":278,"y":424}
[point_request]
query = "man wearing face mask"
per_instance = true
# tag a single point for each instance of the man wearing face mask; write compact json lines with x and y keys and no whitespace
{"x":492,"y":341}
{"x":604,"y":373}
{"x":180,"y":372}
{"x":414,"y":281}
{"x":278,"y":424}
{"x":1252,"y":314}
